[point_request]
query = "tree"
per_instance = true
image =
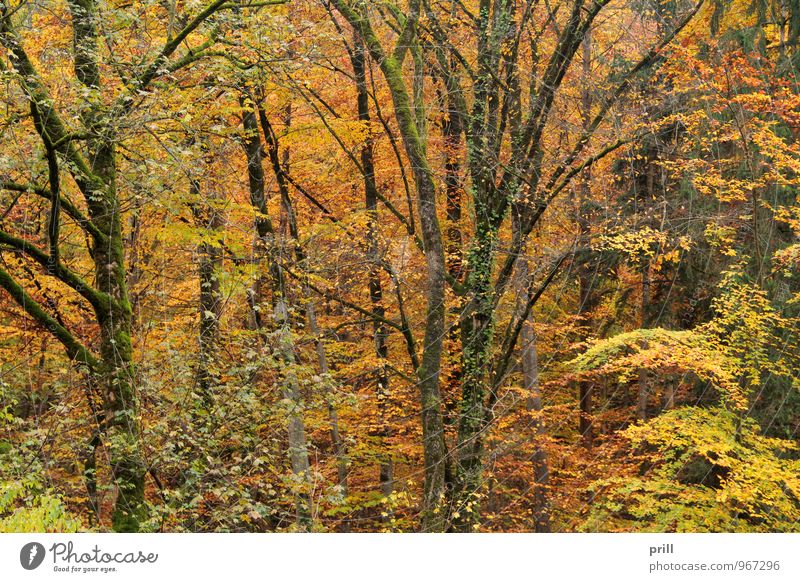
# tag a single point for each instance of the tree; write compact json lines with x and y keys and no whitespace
{"x":88,"y":154}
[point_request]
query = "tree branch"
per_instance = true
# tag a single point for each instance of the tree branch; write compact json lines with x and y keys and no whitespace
{"x":75,"y":350}
{"x":101,"y":302}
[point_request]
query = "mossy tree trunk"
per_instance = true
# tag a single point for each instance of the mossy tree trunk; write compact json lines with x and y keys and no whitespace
{"x":209,"y":220}
{"x":93,"y":168}
{"x":433,"y":515}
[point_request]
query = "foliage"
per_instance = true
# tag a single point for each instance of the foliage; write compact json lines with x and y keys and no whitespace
{"x":27,"y":510}
{"x":27,"y":503}
{"x":700,"y":470}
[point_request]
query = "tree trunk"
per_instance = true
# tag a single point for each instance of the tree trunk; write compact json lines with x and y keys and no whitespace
{"x":333,"y":416}
{"x":669,"y":395}
{"x":477,"y":333}
{"x":282,"y":339}
{"x":280,"y":167}
{"x":587,"y":294}
{"x":116,"y":350}
{"x":290,"y":388}
{"x":95,"y":176}
{"x":380,"y":334}
{"x":530,"y":383}
{"x":210,"y":220}
{"x":644,"y":389}
{"x":452,"y":129}
{"x":433,"y":516}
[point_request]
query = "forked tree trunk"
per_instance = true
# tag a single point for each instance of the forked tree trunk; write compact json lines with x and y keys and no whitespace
{"x":93,"y":166}
{"x":433,"y":516}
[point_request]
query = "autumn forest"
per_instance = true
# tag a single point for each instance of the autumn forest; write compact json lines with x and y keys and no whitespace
{"x":399,"y":265}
